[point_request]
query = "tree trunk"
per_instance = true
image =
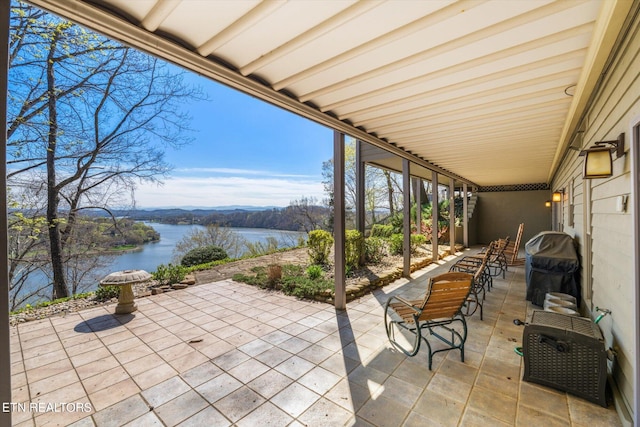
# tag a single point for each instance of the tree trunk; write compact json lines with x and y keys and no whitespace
{"x":387,"y":175}
{"x":60,"y":289}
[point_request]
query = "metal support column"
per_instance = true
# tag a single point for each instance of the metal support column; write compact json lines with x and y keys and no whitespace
{"x":406,"y":218}
{"x":360,"y":193}
{"x":452,"y":217}
{"x":434,"y":215}
{"x":338,"y":220}
{"x":465,"y":215}
{"x":418,"y":205}
{"x":5,"y":342}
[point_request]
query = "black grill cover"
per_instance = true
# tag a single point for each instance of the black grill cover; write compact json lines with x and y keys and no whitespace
{"x":551,"y":265}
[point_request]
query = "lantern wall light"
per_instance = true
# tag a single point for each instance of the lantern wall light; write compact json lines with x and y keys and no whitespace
{"x":556,"y":196}
{"x":598,"y":160}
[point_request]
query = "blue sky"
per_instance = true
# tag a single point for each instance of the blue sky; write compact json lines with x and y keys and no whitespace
{"x":245,"y":152}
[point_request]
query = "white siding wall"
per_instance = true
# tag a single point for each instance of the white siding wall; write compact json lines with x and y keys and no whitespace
{"x":611,"y":268}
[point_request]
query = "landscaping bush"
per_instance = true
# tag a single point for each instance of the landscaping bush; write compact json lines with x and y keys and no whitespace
{"x":169,"y":274}
{"x":314,"y":272}
{"x":374,"y":250}
{"x":396,"y":242}
{"x":104,"y":293}
{"x":381,"y":230}
{"x":319,"y":246}
{"x":353,"y":248}
{"x":203,"y":255}
{"x":416,"y":241}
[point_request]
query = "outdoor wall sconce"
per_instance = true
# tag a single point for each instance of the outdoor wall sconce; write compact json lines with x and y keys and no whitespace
{"x":556,"y":196}
{"x":547,"y":204}
{"x":598,"y":161}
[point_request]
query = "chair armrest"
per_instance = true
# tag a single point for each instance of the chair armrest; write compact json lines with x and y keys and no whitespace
{"x":405,"y":302}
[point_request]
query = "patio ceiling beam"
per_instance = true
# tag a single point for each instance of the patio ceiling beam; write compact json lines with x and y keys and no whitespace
{"x":117,"y":28}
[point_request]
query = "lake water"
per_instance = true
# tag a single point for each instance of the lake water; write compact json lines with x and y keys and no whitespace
{"x":153,"y":254}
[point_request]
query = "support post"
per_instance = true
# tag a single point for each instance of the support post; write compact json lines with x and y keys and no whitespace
{"x":5,"y":341}
{"x":465,"y":215}
{"x":419,"y":205}
{"x":360,"y":194}
{"x":406,"y":218}
{"x":452,"y":216}
{"x":338,"y":220}
{"x":434,"y":215}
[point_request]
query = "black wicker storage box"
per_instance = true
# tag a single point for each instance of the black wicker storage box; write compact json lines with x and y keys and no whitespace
{"x":567,"y":353}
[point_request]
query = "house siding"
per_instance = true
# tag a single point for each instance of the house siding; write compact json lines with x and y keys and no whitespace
{"x":611,"y":261}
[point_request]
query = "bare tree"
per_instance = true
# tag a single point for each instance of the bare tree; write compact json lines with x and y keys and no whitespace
{"x":89,"y":116}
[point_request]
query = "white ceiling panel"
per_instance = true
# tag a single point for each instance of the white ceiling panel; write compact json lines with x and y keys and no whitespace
{"x":488,"y":92}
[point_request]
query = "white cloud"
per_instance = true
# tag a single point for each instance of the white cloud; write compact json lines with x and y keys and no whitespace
{"x":226,"y":190}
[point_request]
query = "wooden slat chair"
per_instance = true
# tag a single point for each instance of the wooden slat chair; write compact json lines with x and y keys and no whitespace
{"x":511,"y":251}
{"x":437,"y":312}
{"x":482,"y":279}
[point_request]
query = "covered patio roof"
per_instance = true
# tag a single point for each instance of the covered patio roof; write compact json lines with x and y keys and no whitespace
{"x":487,"y":92}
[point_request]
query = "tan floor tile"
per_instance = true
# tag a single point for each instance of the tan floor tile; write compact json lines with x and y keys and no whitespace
{"x":201,"y":374}
{"x":96,"y":367}
{"x":70,"y":393}
{"x":493,"y":404}
{"x":539,"y":417}
{"x":218,"y":387}
{"x":248,"y":370}
{"x":208,"y":416}
{"x":44,"y":360}
{"x":295,"y":399}
{"x":143,"y":364}
{"x":536,"y":396}
{"x":294,"y":367}
{"x":239,"y":403}
{"x":53,"y":383}
{"x":48,"y":370}
{"x":350,"y":396}
{"x":438,"y":408}
{"x":383,"y":412}
{"x":325,"y":413}
{"x":176,"y":351}
{"x":266,"y":415}
{"x":188,"y":361}
{"x":122,"y":412}
{"x":150,"y":419}
{"x":132,"y":354}
{"x":181,"y":408}
{"x":89,"y":356}
{"x":270,"y":383}
{"x":319,"y":380}
{"x":586,"y":413}
{"x":154,"y":376}
{"x":472,"y":418}
{"x":113,"y":394}
{"x":104,"y":379}
{"x":456,"y":390}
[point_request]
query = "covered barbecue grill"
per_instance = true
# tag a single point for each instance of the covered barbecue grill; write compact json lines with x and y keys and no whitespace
{"x":551,"y":265}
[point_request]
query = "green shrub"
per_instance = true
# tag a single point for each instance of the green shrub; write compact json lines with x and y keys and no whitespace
{"x":353,"y":248}
{"x":104,"y":293}
{"x":417,"y":240}
{"x":169,"y":274}
{"x":381,"y":230}
{"x":374,"y":250}
{"x":314,"y":272}
{"x":396,"y":242}
{"x":319,"y":246}
{"x":203,"y":255}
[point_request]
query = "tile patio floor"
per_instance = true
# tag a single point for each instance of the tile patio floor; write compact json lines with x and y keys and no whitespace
{"x":230,"y":354}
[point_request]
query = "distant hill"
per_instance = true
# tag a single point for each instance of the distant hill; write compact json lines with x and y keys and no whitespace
{"x":271,"y":218}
